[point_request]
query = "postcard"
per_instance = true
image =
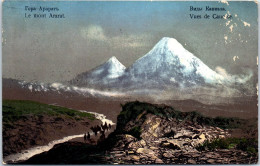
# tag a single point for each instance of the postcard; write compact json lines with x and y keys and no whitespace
{"x":130,"y":82}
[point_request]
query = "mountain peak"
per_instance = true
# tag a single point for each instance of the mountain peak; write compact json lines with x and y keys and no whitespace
{"x":112,"y":68}
{"x":169,"y":44}
{"x":113,"y":60}
{"x":167,"y":49}
{"x":167,"y":39}
{"x":168,"y":57}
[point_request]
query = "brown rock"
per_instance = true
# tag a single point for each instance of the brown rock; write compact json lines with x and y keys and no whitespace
{"x":219,"y":161}
{"x":195,"y":155}
{"x":118,"y":155}
{"x":167,"y":155}
{"x":143,"y":143}
{"x":128,"y":158}
{"x":130,"y":152}
{"x":166,"y":144}
{"x":136,"y":158}
{"x":211,"y":161}
{"x":190,"y":161}
{"x":159,"y":161}
{"x":221,"y":136}
{"x":208,"y":155}
{"x":153,"y":148}
{"x":153,"y":157}
{"x":129,"y":138}
{"x":145,"y":151}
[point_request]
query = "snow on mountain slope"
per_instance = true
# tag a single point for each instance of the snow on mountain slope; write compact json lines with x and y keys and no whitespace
{"x":61,"y":88}
{"x":111,"y":69}
{"x":167,"y":66}
{"x":170,"y":61}
{"x":102,"y":74}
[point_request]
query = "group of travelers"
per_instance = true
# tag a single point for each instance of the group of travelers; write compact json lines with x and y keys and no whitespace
{"x":101,"y":129}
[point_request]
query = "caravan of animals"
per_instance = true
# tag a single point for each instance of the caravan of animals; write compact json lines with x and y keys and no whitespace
{"x":168,"y":107}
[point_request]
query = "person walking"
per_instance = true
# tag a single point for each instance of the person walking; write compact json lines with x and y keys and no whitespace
{"x":88,"y":137}
{"x":85,"y":137}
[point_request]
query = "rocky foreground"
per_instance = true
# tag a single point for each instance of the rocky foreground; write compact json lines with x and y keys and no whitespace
{"x":158,"y":134}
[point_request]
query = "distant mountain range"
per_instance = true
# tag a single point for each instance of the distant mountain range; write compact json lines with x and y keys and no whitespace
{"x":168,"y":71}
{"x":168,"y":64}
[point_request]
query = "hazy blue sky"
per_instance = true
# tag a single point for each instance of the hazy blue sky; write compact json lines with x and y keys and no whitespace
{"x":48,"y":49}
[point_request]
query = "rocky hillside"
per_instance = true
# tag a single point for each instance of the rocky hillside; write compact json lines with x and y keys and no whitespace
{"x":158,"y":134}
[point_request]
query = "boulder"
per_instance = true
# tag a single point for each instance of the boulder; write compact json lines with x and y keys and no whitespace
{"x":191,"y":161}
{"x":153,"y":148}
{"x":211,"y":161}
{"x":129,"y":138}
{"x":143,"y":143}
{"x":221,"y":136}
{"x":145,"y":151}
{"x":167,"y":155}
{"x":136,"y":158}
{"x":158,"y":161}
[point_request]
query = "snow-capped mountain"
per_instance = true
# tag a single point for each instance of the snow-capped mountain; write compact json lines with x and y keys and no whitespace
{"x":168,"y":71}
{"x":104,"y":74}
{"x":171,"y":64}
{"x":168,"y":64}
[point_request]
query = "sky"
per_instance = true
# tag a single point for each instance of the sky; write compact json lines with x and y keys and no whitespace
{"x":56,"y":50}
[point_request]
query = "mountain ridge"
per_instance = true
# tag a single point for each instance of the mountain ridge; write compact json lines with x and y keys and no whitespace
{"x":161,"y":74}
{"x":168,"y":63}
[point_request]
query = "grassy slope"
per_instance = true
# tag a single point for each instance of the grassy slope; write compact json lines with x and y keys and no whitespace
{"x":249,"y":145}
{"x":14,"y":110}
